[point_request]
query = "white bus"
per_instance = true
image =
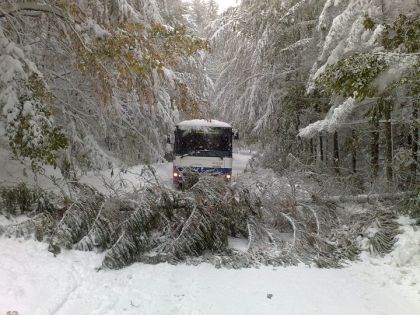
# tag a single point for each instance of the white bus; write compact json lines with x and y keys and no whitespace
{"x":204,"y":147}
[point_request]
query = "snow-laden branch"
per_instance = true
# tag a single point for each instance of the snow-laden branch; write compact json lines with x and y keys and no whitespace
{"x":335,"y":117}
{"x":364,"y":198}
{"x":29,"y":6}
{"x":299,"y":44}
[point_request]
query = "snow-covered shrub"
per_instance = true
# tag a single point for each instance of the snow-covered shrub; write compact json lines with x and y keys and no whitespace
{"x":17,"y":200}
{"x":411,"y":205}
{"x":38,"y":207}
{"x":21,"y":199}
{"x":40,"y":227}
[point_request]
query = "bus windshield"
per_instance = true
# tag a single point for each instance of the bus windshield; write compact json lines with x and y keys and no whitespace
{"x":209,"y":141}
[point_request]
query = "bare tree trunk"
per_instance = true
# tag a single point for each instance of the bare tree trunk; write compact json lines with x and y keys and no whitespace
{"x":321,"y":147}
{"x":414,"y":146}
{"x":311,"y":143}
{"x":336,"y":160}
{"x":327,"y":150}
{"x":374,"y":149}
{"x":354,"y":151}
{"x":388,"y":139}
{"x":383,"y":10}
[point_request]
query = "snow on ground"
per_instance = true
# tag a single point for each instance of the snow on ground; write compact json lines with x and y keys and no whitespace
{"x":34,"y":282}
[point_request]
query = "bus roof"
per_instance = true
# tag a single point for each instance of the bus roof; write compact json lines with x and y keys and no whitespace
{"x":197,"y":123}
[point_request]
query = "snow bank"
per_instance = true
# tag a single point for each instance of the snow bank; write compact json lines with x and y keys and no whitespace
{"x":401,"y":267}
{"x":407,"y":247}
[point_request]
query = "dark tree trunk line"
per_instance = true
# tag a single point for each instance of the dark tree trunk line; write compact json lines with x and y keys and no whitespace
{"x":321,"y":147}
{"x":354,"y":151}
{"x":387,"y":105}
{"x":374,"y":149}
{"x":311,"y":143}
{"x":336,"y":159}
{"x":414,"y":146}
{"x":327,"y":150}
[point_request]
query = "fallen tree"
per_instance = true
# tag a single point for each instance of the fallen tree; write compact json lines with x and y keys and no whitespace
{"x":365,"y":198}
{"x":159,"y":224}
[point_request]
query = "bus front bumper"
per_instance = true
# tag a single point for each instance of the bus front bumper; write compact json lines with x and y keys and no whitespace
{"x":178,"y":173}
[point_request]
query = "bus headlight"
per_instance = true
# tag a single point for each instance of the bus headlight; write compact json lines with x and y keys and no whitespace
{"x":176,"y":174}
{"x":228,"y":176}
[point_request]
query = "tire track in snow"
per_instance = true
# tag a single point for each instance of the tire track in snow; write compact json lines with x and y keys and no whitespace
{"x":76,"y":283}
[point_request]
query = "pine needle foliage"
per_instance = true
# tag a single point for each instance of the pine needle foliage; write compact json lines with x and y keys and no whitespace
{"x":176,"y":225}
{"x":77,"y":220}
{"x":377,"y":229}
{"x":353,"y":76}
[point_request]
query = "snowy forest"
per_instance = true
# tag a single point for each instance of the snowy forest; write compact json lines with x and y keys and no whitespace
{"x":325,"y":98}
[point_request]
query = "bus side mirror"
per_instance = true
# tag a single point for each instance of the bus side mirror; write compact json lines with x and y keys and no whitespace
{"x":236,"y":135}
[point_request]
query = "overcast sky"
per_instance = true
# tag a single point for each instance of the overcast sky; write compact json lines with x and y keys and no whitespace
{"x":224,"y":4}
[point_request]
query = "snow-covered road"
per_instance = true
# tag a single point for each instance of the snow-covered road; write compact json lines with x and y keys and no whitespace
{"x":132,"y":177}
{"x":33,"y":282}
